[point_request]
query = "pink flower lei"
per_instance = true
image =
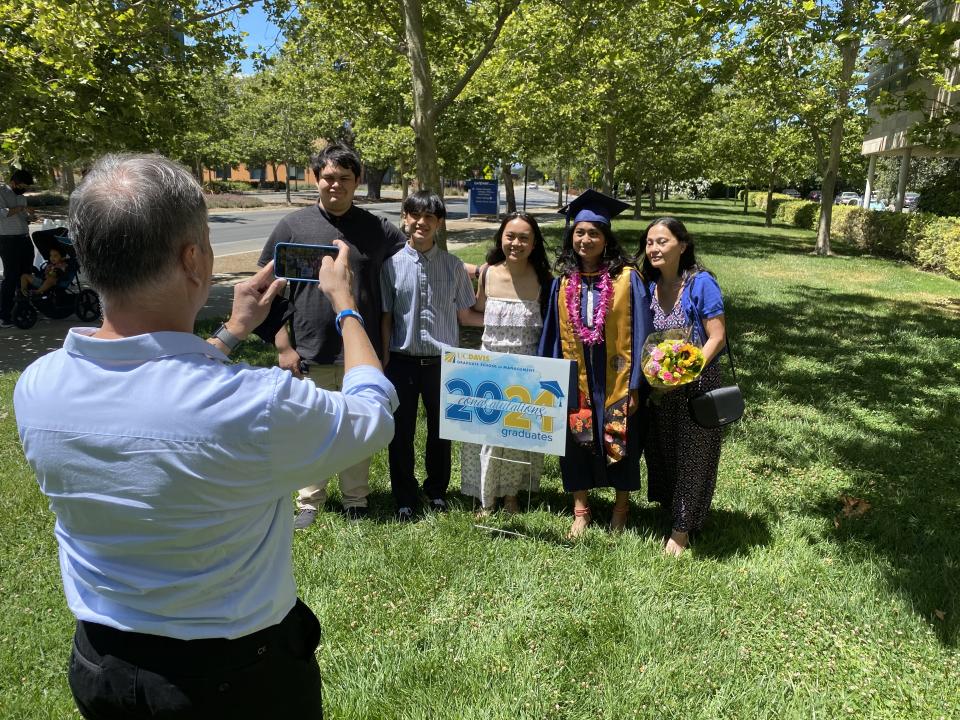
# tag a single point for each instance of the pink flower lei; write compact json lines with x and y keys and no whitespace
{"x":589,"y":335}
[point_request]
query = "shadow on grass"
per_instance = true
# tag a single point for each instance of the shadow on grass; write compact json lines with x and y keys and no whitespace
{"x":868,"y":386}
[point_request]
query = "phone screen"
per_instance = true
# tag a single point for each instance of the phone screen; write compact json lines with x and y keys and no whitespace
{"x":300,"y":263}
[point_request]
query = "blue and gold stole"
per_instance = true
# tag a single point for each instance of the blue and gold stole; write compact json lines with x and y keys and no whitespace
{"x":618,"y":345}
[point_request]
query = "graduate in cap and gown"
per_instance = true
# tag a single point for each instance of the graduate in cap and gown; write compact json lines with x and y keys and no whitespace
{"x":599,"y":316}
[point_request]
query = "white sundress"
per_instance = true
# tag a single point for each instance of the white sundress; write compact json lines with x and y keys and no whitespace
{"x":488,"y":472}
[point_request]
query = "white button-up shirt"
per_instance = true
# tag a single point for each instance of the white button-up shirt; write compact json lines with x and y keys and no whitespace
{"x":12,"y":224}
{"x":170,"y":473}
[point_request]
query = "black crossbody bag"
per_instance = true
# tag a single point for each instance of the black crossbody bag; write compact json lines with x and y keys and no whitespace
{"x":719,"y":407}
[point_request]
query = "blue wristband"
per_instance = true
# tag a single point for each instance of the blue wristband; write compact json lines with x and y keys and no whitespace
{"x":345,"y":314}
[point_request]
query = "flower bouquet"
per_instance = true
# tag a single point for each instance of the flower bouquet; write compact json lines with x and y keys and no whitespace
{"x":670,"y":359}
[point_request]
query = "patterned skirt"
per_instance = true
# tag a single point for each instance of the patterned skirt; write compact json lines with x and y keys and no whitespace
{"x":682,"y":457}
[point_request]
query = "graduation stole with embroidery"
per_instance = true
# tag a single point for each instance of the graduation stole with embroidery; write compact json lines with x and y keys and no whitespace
{"x":618,"y":338}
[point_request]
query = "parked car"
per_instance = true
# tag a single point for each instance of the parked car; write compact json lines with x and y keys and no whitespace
{"x":532,"y":186}
{"x":814,"y":195}
{"x":847,"y":198}
{"x":910,"y":201}
{"x":792,"y":193}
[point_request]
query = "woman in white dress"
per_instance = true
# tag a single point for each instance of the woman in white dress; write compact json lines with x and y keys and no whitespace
{"x":512,"y":295}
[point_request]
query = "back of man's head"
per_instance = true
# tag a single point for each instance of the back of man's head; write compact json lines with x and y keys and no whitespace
{"x":130,"y":218}
{"x":338,"y":154}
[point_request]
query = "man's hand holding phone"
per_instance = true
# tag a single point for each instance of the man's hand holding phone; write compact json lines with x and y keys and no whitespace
{"x":336,"y":278}
{"x":336,"y":282}
{"x":251,"y":301}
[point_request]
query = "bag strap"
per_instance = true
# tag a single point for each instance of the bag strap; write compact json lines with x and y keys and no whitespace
{"x":726,"y":344}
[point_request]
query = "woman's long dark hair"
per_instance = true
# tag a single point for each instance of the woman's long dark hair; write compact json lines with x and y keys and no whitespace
{"x":689,"y":265}
{"x":614,"y":257}
{"x":537,"y":258}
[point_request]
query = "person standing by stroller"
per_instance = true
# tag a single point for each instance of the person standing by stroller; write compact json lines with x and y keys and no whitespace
{"x":16,"y":250}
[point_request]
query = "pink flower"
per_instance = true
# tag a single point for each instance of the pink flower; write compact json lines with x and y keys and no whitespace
{"x":654,"y":367}
{"x":668,"y":377}
{"x":657,"y":354}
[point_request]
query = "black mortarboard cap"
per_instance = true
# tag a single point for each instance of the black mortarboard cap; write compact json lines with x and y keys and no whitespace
{"x":591,"y":206}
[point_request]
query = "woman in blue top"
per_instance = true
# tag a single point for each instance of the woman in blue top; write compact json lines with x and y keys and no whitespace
{"x":682,"y":457}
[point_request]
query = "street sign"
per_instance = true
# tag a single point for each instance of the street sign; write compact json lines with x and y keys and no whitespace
{"x":484,"y":198}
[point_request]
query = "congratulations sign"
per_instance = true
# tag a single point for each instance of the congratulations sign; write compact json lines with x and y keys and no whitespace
{"x":511,"y":401}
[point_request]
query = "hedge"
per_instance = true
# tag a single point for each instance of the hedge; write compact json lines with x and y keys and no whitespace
{"x":225,"y":200}
{"x":924,"y":239}
{"x":47,"y":199}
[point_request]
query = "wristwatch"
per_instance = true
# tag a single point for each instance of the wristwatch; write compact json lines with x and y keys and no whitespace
{"x":227,"y":337}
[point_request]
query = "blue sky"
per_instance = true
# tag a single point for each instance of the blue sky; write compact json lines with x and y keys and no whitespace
{"x":260,"y":32}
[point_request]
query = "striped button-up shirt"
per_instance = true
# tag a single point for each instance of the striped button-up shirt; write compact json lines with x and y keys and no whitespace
{"x":423,"y":292}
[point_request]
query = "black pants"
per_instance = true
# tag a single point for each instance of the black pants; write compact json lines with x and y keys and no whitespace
{"x":16,"y":254}
{"x":272,"y":673}
{"x":414,"y":378}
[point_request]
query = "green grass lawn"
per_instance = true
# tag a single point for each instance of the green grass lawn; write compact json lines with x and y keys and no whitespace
{"x":786,"y":607}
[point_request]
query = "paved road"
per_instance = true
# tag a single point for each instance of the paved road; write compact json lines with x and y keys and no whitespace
{"x":245,"y":231}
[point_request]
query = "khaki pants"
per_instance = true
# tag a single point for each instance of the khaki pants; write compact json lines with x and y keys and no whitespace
{"x":354,"y":481}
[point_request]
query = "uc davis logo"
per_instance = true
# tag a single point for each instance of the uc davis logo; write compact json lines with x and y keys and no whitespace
{"x":450,"y":357}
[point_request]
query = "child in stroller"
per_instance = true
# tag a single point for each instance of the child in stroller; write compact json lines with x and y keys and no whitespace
{"x":60,"y":293}
{"x":50,"y":273}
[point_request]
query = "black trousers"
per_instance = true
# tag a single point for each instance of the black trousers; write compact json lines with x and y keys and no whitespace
{"x":272,"y":673}
{"x":415,"y":378}
{"x":16,"y":254}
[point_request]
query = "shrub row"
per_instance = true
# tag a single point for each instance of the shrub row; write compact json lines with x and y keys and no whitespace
{"x":235,"y":186}
{"x":47,"y":199}
{"x":225,"y":200}
{"x":924,"y":239}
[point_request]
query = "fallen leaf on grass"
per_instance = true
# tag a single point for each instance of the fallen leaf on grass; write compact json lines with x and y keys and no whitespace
{"x":852,"y":507}
{"x":940,"y":614}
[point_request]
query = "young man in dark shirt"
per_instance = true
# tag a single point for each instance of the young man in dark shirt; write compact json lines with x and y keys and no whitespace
{"x":312,"y":347}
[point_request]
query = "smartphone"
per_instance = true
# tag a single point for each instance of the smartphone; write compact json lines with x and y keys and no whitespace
{"x":300,"y":263}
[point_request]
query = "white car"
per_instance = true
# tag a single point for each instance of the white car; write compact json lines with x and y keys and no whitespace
{"x":847,"y":198}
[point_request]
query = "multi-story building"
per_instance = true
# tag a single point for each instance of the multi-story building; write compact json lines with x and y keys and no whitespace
{"x":890,"y":134}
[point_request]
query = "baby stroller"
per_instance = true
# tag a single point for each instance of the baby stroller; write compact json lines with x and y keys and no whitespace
{"x":67,"y":297}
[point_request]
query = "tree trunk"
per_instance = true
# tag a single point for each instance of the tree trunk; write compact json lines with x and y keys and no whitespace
{"x":67,"y":178}
{"x":561,"y":179}
{"x":374,"y":182}
{"x":286,"y":171}
{"x":653,"y":196}
{"x":768,"y":213}
{"x":425,"y":141}
{"x":404,"y":181}
{"x":746,"y":199}
{"x":610,"y":158}
{"x":848,"y":54}
{"x":637,"y":190}
{"x":508,"y":190}
{"x":665,"y":191}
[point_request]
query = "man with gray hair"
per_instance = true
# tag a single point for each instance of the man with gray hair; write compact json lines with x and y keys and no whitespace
{"x":170,"y":471}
